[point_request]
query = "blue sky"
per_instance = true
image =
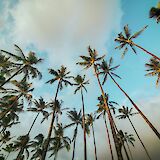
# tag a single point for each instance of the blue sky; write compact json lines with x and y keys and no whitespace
{"x":60,"y":31}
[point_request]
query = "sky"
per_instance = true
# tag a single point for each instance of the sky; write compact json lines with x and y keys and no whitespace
{"x":59,"y":31}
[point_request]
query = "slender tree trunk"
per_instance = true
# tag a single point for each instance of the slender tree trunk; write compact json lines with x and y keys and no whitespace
{"x":16,"y":73}
{"x":74,"y":143}
{"x":55,"y":157}
{"x":151,"y":54}
{"x":109,"y":140}
{"x":84,"y":128}
{"x":2,"y":114}
{"x":7,"y":155}
{"x":94,"y":140}
{"x":139,"y":138}
{"x":125,"y":150}
{"x":116,"y":142}
{"x":1,"y":144}
{"x":129,"y":150}
{"x":45,"y":148}
{"x":23,"y":147}
{"x":137,"y":108}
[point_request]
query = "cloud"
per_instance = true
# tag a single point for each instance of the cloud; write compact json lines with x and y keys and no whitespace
{"x":65,"y":28}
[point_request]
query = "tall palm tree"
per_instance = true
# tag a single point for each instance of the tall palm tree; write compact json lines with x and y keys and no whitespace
{"x":76,"y":118}
{"x":126,"y":41}
{"x":107,"y":69}
{"x":62,"y":76}
{"x":90,"y":120}
{"x":102,"y":112}
{"x":80,"y":82}
{"x":155,"y":12}
{"x":23,"y":90}
{"x":59,"y":141}
{"x":153,"y":69}
{"x":125,"y":112}
{"x":26,"y":64}
{"x":87,"y":62}
{"x":37,"y":146}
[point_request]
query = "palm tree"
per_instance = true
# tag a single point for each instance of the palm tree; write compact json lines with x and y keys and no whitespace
{"x":59,"y":141}
{"x":153,"y":69}
{"x":102,"y":112}
{"x":125,"y":112}
{"x":37,"y":146}
{"x":62,"y":76}
{"x":80,"y":82}
{"x":26,"y":65}
{"x":87,"y":62}
{"x":76,"y":118}
{"x":90,"y":120}
{"x":5,"y":136}
{"x":9,"y":148}
{"x":127,"y":40}
{"x":129,"y":139}
{"x":40,"y":106}
{"x":107,"y":69}
{"x":155,"y":12}
{"x":23,"y":90}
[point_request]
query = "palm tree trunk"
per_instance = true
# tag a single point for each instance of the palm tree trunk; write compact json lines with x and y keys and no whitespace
{"x":55,"y":157}
{"x":116,"y":142}
{"x":8,"y":155}
{"x":94,"y":140}
{"x":125,"y":150}
{"x":137,"y":108}
{"x":45,"y":148}
{"x":16,"y":73}
{"x":153,"y":55}
{"x":2,"y":114}
{"x":129,"y":150}
{"x":139,"y":138}
{"x":109,"y":140}
{"x":74,"y":143}
{"x":84,"y":128}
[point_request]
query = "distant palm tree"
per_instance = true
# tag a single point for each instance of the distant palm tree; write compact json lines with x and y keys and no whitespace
{"x":59,"y":141}
{"x":9,"y":149}
{"x":153,"y":69}
{"x":107,"y":69}
{"x":37,"y":146}
{"x":26,"y":65}
{"x":62,"y":76}
{"x":87,"y":62}
{"x":90,"y":120}
{"x":125,"y":112}
{"x":80,"y":82}
{"x":5,"y":137}
{"x":76,"y":118}
{"x":23,"y":90}
{"x":155,"y":12}
{"x":126,"y":41}
{"x":129,"y":139}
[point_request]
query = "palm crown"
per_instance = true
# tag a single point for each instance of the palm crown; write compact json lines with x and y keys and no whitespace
{"x":126,"y":40}
{"x":155,"y":12}
{"x":153,"y":69}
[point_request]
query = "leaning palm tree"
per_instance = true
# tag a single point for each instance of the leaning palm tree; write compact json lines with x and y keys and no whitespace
{"x":9,"y":149}
{"x":125,"y":112}
{"x":87,"y":62}
{"x":59,"y":141}
{"x":90,"y":120}
{"x":62,"y":76}
{"x":126,"y":41}
{"x":76,"y":118}
{"x":106,"y":70}
{"x":153,"y":69}
{"x":24,"y":64}
{"x":155,"y":12}
{"x":80,"y":83}
{"x":23,"y":89}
